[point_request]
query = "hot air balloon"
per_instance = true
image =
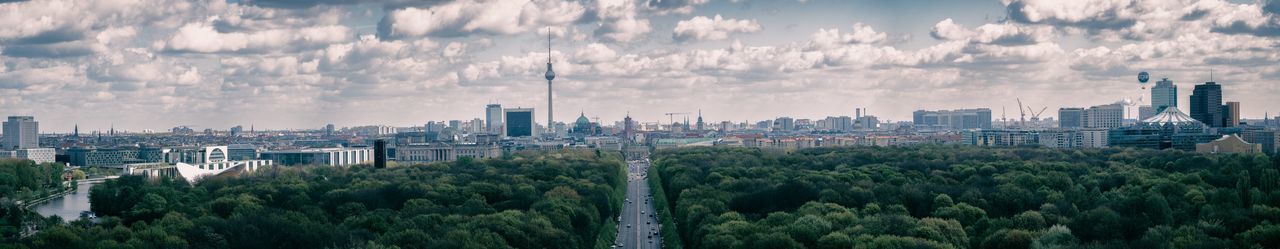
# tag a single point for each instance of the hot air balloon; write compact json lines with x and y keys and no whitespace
{"x":1143,"y":77}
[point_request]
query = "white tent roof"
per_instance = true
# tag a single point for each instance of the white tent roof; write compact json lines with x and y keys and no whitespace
{"x":1171,"y":115}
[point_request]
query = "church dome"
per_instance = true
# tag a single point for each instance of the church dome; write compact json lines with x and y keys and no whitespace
{"x":582,"y":119}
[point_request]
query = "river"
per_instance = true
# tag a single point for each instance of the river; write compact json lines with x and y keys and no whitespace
{"x":68,"y":206}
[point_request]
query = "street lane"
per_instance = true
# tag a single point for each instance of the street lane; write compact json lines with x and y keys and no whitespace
{"x":638,"y":226}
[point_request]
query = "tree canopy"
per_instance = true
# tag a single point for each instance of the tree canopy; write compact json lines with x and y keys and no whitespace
{"x":527,"y":200}
{"x":969,"y":197}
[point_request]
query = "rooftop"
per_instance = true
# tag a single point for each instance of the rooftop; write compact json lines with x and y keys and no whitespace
{"x":1171,"y":115}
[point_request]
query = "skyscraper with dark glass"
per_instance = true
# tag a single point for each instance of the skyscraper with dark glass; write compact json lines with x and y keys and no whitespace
{"x":519,"y":122}
{"x":1206,"y":104}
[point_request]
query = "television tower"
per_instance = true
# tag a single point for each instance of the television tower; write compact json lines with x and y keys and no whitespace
{"x":550,"y":76}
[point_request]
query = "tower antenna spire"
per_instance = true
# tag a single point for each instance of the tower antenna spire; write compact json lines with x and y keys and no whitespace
{"x":550,"y":76}
{"x":548,"y":45}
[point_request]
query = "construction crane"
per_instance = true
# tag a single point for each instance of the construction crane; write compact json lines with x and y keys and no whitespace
{"x":1004,"y":122}
{"x":671,"y":119}
{"x":1035,"y":116}
{"x":1022,"y":120}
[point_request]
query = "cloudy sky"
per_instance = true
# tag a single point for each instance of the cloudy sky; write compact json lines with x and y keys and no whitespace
{"x":155,"y":64}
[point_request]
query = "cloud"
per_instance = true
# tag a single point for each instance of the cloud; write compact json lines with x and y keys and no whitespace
{"x":663,"y":7}
{"x":1087,"y":14}
{"x":54,"y":50}
{"x":949,"y":30}
{"x":1009,"y":34}
{"x":618,"y":21}
{"x":303,"y":4}
{"x":858,"y":34}
{"x":595,"y":53}
{"x":202,"y":38}
{"x":466,"y":17}
{"x":701,"y":28}
{"x":1012,"y":34}
{"x":1252,"y":19}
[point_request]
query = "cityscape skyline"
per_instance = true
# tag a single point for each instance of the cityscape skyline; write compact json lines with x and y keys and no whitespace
{"x":285,"y":65}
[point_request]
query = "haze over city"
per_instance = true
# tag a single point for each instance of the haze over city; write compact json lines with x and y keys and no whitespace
{"x":156,"y":64}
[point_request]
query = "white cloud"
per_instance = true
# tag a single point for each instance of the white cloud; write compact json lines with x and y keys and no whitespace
{"x":949,"y":30}
{"x":89,"y":59}
{"x":701,"y":28}
{"x":618,"y":21}
{"x":202,"y":38}
{"x":465,"y":17}
{"x":858,"y":34}
{"x":595,"y":53}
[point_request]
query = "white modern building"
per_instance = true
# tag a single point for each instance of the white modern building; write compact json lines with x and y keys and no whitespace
{"x":38,"y":155}
{"x":1104,"y":116}
{"x":1093,"y":138}
{"x":320,"y":156}
{"x":20,"y":132}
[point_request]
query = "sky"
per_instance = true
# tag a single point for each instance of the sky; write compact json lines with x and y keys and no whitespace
{"x":294,"y":64}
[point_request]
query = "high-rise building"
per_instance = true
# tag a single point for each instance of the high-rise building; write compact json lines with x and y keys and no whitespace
{"x":866,"y":122}
{"x":1231,"y":114}
{"x":1164,"y":95}
{"x":476,"y":126}
{"x":519,"y":122}
{"x":784,"y":124}
{"x":21,"y":132}
{"x":953,"y":119}
{"x":493,"y":118}
{"x":1206,"y":104}
{"x":1071,"y":117}
{"x":841,"y":123}
{"x":1104,"y":116}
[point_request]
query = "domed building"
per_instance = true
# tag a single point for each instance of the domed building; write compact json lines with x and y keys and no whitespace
{"x":1170,"y":129}
{"x":583,"y":127}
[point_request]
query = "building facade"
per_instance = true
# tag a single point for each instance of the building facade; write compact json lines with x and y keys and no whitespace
{"x":1228,"y":144}
{"x":1206,"y":104}
{"x":37,"y":155}
{"x":962,"y":119}
{"x":321,"y":156}
{"x":1001,"y":138}
{"x":1164,"y":95}
{"x":1104,"y":116}
{"x":519,"y":122}
{"x":1071,"y":117}
{"x":1268,"y":139}
{"x":20,"y":132}
{"x":1231,"y":114}
{"x":426,"y":153}
{"x":107,"y":157}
